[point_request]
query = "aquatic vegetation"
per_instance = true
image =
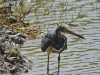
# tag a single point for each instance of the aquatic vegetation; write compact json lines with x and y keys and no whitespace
{"x":81,"y":16}
{"x":78,"y":0}
{"x":98,"y":0}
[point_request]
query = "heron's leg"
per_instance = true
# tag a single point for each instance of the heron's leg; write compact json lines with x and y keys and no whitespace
{"x":58,"y":62}
{"x":48,"y":64}
{"x":48,"y":52}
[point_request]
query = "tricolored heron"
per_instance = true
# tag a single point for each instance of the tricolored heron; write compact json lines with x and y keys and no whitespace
{"x":54,"y":41}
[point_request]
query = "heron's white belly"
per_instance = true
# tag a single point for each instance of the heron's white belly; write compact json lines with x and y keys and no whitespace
{"x":55,"y":50}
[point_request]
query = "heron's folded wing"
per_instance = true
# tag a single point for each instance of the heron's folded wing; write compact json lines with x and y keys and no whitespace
{"x":45,"y":43}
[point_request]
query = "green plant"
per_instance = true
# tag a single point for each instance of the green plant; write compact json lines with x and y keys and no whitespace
{"x":98,"y":0}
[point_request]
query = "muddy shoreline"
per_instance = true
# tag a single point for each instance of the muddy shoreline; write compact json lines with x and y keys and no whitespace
{"x":13,"y":34}
{"x":13,"y":63}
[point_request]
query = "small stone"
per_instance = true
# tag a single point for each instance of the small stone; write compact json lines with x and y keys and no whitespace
{"x":19,"y":40}
{"x":14,"y":54}
{"x":21,"y":66}
{"x":8,"y":32}
{"x":26,"y":71}
{"x":2,"y":39}
{"x":20,"y":56}
{"x":17,"y":50}
{"x":13,"y":59}
{"x":21,"y":35}
{"x":13,"y":69}
{"x":2,"y":49}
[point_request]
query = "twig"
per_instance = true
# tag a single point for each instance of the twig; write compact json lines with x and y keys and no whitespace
{"x":76,"y":17}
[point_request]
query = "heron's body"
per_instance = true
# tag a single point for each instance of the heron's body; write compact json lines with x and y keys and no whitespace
{"x":55,"y":41}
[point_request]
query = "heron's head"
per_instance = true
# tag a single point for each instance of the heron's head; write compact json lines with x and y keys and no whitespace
{"x":63,"y":28}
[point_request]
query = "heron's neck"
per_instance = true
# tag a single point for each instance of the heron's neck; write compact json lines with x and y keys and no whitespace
{"x":58,"y":33}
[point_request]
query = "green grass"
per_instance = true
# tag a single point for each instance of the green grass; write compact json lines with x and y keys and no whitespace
{"x":61,"y":4}
{"x":78,"y":0}
{"x":98,"y":0}
{"x":81,"y":16}
{"x":71,"y":9}
{"x":37,"y":22}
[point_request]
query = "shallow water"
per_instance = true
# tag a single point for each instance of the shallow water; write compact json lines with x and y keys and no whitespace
{"x":82,"y":56}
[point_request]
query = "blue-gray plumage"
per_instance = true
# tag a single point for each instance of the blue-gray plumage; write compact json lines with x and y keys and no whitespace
{"x":55,"y":41}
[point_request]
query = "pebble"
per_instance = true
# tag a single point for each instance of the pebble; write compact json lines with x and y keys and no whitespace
{"x":2,"y":49}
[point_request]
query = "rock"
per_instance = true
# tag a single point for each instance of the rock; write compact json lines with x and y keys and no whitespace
{"x":2,"y":70}
{"x":25,"y":24}
{"x":1,"y":33}
{"x":22,"y":61}
{"x":14,"y":54}
{"x":13,"y":59}
{"x":26,"y":71}
{"x":19,"y":40}
{"x":8,"y":32}
{"x":6,"y":37}
{"x":2,"y":40}
{"x":2,"y":49}
{"x":13,"y":62}
{"x":12,"y":20}
{"x":21,"y":35}
{"x":20,"y":56}
{"x":13,"y":69}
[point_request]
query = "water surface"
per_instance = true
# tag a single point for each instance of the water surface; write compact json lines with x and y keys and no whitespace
{"x":82,"y":56}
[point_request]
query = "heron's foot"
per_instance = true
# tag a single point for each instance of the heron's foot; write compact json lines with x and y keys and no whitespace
{"x":47,"y":70}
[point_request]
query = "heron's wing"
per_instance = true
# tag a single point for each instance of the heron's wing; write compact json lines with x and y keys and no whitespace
{"x":45,"y":43}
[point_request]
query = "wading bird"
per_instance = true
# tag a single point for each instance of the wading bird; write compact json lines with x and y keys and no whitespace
{"x":54,"y":41}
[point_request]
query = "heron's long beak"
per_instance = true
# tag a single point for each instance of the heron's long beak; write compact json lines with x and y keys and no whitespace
{"x":70,"y":32}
